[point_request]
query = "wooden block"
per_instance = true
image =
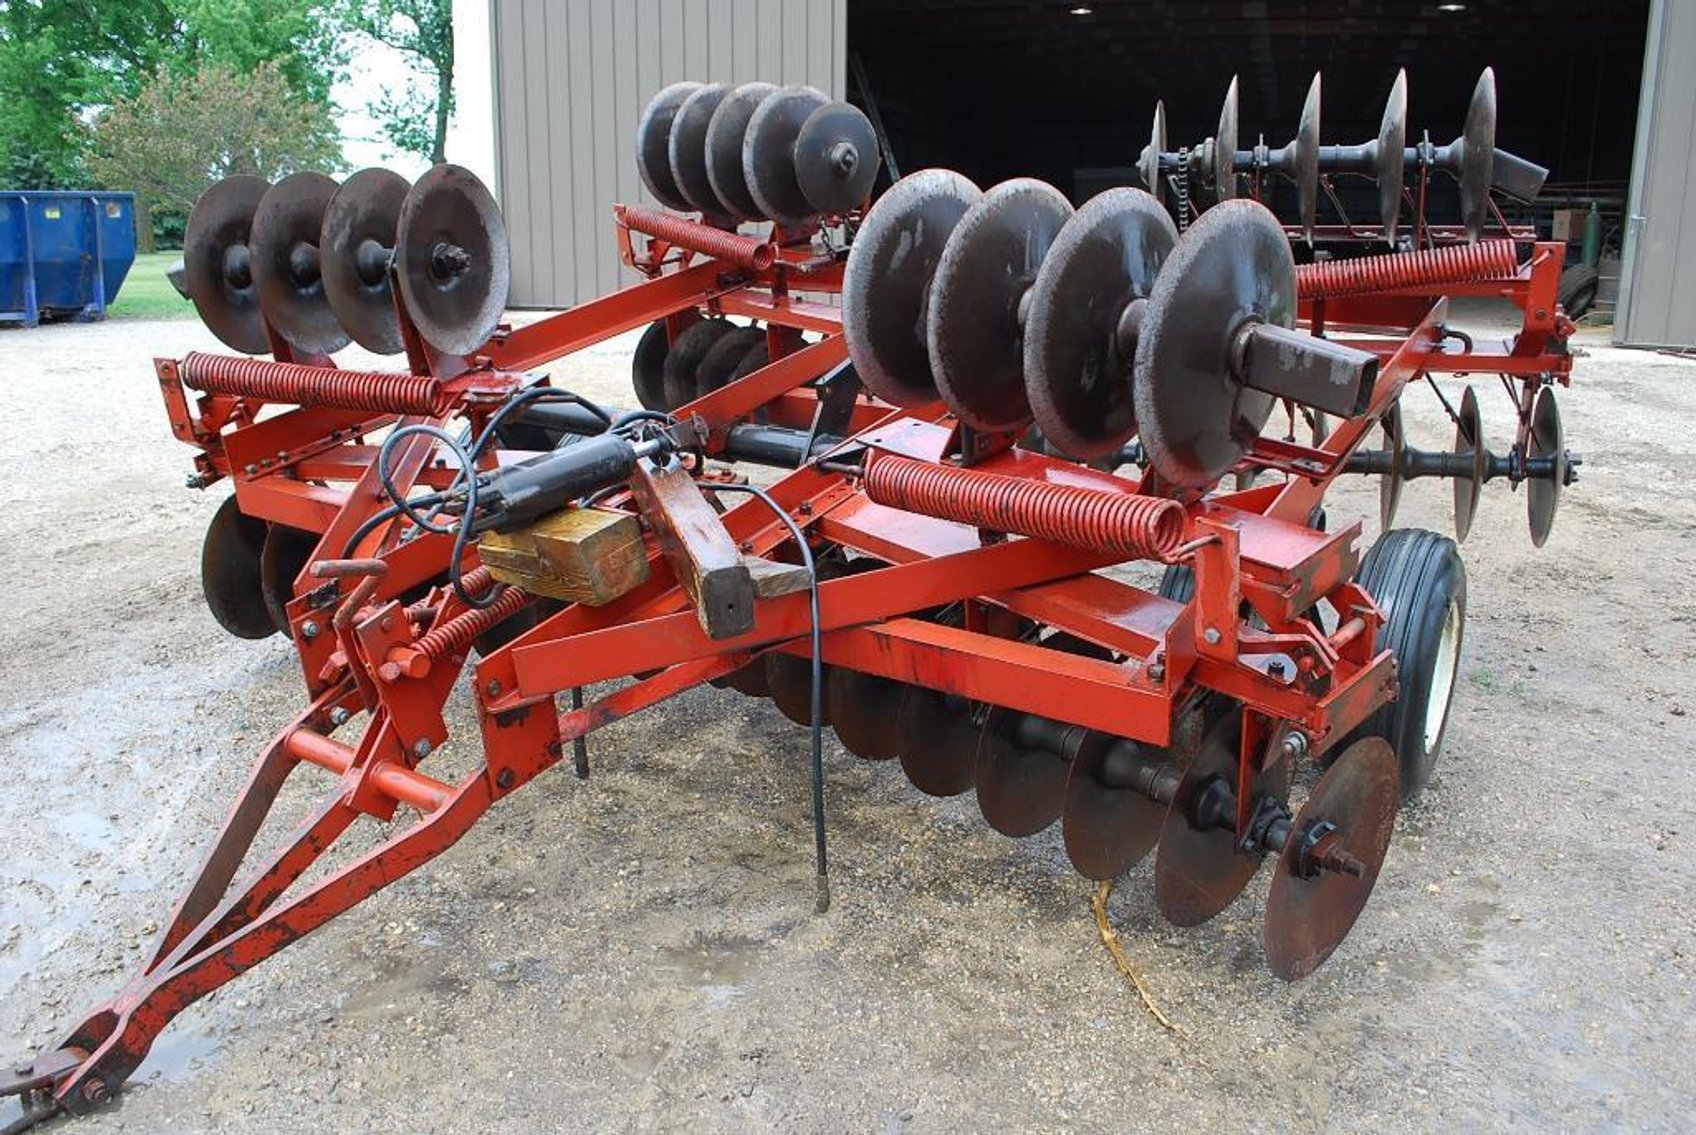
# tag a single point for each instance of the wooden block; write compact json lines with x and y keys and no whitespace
{"x":706,"y":561}
{"x":772,"y":578}
{"x":583,"y":555}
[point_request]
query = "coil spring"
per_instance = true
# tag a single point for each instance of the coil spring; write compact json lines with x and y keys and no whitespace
{"x":733,"y":248}
{"x":1434,"y":267}
{"x":1133,"y":527}
{"x":1181,"y":189}
{"x":459,"y":632}
{"x":370,"y":391}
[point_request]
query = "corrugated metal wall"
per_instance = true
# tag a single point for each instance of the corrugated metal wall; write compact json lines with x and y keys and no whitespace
{"x":571,"y":78}
{"x":1657,"y":302}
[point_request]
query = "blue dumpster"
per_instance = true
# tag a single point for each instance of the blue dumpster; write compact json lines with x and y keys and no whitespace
{"x":63,"y":253}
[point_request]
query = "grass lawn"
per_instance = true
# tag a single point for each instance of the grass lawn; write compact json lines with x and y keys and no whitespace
{"x":147,"y":294}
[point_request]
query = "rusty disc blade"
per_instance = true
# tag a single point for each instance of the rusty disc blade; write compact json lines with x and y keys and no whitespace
{"x":1302,"y":160}
{"x":725,"y":134}
{"x":1108,"y":826}
{"x":1543,"y":494}
{"x":1225,"y":146}
{"x":653,"y":144}
{"x":836,"y":158}
{"x":1308,"y":916}
{"x":789,"y":678}
{"x":974,"y":330}
{"x":1198,"y":871}
{"x":684,"y":359}
{"x":686,"y":147}
{"x":218,"y":264}
{"x":286,"y":263}
{"x":938,"y":741}
{"x":1148,"y":164}
{"x":1230,"y":268}
{"x":647,"y":366}
{"x":723,"y":357}
{"x":1478,"y":155}
{"x":865,"y":711}
{"x":1020,"y":791}
{"x":453,"y":260}
{"x":1392,"y":156}
{"x":1390,"y":484}
{"x":357,"y":240}
{"x":1077,"y":362}
{"x":281,"y":561}
{"x":768,"y":153}
{"x":229,"y":572}
{"x":1469,"y":438}
{"x":887,"y":281}
{"x":750,"y":679}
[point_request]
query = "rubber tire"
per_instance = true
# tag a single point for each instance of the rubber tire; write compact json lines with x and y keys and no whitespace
{"x":1413,"y":574}
{"x":1577,"y":290}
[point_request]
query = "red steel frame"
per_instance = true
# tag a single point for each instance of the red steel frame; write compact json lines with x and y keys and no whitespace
{"x":313,"y":468}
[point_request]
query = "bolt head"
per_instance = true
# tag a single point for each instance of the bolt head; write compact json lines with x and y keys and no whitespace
{"x":493,"y":689}
{"x":309,"y":629}
{"x":504,"y":778}
{"x":339,"y":715}
{"x":421,"y":749}
{"x":1212,"y":635}
{"x":95,"y":1091}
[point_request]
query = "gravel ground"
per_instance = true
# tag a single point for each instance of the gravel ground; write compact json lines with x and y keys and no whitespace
{"x":638,"y":952}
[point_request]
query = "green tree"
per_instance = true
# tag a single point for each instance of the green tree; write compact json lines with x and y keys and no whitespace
{"x":303,"y":37}
{"x":414,"y":116}
{"x":179,"y":134}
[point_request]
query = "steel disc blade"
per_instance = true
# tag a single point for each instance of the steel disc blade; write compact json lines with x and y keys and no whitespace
{"x":653,"y":144}
{"x":684,"y":360}
{"x":1390,"y":484}
{"x":229,"y":572}
{"x":1148,"y":164}
{"x":974,"y":328}
{"x":1108,"y":826}
{"x":1469,"y":438}
{"x":1392,"y":156}
{"x":768,"y":153}
{"x":1543,"y":494}
{"x":1077,"y":363}
{"x":284,"y":248}
{"x":647,"y":366}
{"x":1225,"y":146}
{"x":217,"y":263}
{"x":836,"y":158}
{"x":284,"y":555}
{"x":359,"y":225}
{"x":938,"y":742}
{"x":750,"y":679}
{"x":725,"y":133}
{"x":1308,"y":917}
{"x":1020,"y":791}
{"x":1303,"y":160}
{"x":719,"y":364}
{"x":886,"y":283}
{"x":1232,"y":266}
{"x":686,"y":148}
{"x":789,"y":679}
{"x":1478,"y":154}
{"x":865,"y":711}
{"x":452,"y":257}
{"x":1198,"y":872}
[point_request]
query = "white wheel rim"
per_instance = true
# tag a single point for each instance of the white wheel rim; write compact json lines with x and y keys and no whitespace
{"x":1443,"y":675}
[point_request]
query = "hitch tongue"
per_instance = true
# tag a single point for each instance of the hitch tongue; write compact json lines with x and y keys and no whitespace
{"x":33,"y":1081}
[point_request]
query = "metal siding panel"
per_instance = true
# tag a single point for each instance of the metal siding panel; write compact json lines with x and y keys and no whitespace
{"x":770,"y":40}
{"x":539,"y":142}
{"x":648,"y":31}
{"x":595,"y":243}
{"x":1656,"y":310}
{"x":627,"y":108}
{"x":574,"y":161}
{"x":745,"y":18}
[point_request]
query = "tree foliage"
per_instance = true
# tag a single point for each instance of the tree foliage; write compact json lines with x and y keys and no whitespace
{"x":414,"y":115}
{"x":177,"y":135}
{"x":63,"y":61}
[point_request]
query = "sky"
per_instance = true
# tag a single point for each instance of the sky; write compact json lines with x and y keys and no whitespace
{"x":372,"y":67}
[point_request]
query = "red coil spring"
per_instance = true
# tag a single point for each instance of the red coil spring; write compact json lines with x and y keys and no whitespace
{"x":371,"y":391}
{"x":1431,"y":267}
{"x":743,"y":251}
{"x":1130,"y":526}
{"x":458,"y":633}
